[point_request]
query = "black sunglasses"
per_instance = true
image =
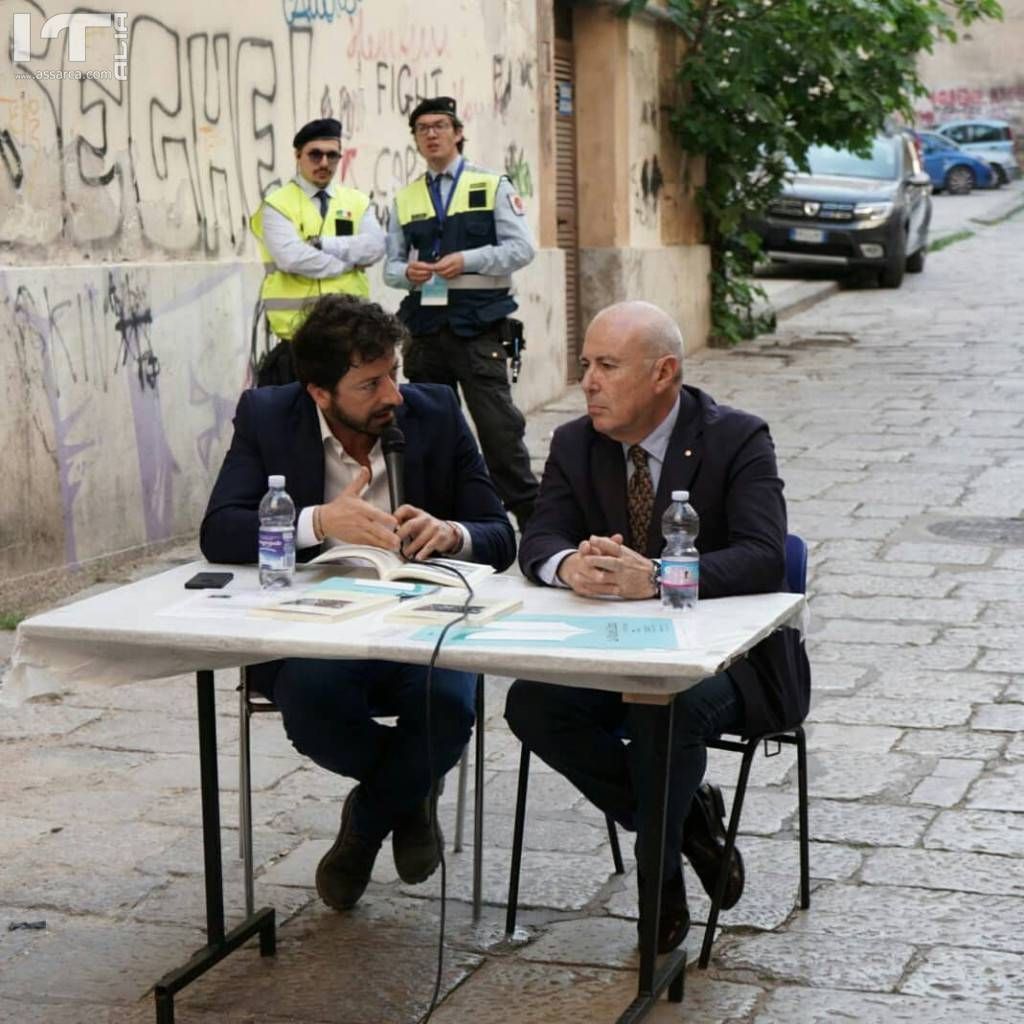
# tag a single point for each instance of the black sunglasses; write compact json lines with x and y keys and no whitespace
{"x":317,"y":155}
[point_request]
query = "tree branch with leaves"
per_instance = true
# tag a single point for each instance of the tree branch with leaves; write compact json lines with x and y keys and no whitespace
{"x":761,"y":81}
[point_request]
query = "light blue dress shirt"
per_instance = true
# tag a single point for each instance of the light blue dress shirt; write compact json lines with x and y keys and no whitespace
{"x":338,"y":253}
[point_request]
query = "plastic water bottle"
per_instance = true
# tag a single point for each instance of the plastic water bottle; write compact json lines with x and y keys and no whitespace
{"x":680,"y":560}
{"x":277,"y":536}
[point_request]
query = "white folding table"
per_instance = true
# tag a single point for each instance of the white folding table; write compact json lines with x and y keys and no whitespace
{"x":145,"y":630}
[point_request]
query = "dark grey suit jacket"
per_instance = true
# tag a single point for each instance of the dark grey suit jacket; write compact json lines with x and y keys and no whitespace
{"x":726,"y":460}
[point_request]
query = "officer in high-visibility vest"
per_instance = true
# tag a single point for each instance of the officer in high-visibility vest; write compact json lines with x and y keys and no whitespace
{"x":456,"y":235}
{"x":315,"y":237}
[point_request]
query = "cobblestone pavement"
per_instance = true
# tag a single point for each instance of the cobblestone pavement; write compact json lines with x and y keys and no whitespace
{"x":898,"y":419}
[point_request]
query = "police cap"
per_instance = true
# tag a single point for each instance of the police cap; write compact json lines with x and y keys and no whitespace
{"x":437,"y":105}
{"x":325,"y":128}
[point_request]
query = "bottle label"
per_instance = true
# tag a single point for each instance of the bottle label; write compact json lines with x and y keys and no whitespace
{"x":681,"y":573}
{"x":277,"y":547}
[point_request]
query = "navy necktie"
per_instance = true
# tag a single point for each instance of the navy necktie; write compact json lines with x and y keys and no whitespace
{"x":324,"y":200}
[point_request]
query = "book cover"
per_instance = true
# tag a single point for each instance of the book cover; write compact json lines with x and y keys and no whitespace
{"x":316,"y":605}
{"x":444,"y":609}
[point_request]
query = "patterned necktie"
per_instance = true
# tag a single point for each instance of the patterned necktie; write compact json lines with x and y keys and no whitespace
{"x":639,"y":498}
{"x":324,"y":200}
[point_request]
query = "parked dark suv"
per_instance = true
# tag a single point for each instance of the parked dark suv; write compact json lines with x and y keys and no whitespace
{"x":854,"y":211}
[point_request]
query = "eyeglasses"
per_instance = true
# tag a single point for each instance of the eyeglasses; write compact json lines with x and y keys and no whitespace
{"x":317,"y":155}
{"x":433,"y":128}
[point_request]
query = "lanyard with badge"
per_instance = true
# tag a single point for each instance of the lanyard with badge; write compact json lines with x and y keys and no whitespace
{"x":435,"y":291}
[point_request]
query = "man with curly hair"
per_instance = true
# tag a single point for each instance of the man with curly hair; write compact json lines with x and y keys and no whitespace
{"x":323,"y":434}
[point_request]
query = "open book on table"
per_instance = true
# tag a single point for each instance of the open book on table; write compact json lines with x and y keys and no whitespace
{"x":386,"y":565}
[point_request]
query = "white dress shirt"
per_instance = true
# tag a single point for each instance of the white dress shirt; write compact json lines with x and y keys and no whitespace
{"x":338,"y":253}
{"x":656,"y":445}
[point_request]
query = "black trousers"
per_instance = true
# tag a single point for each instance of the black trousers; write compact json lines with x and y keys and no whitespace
{"x":479,"y":366}
{"x":581,"y":733}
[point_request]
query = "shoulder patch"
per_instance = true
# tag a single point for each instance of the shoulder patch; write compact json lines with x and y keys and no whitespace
{"x":515,"y":200}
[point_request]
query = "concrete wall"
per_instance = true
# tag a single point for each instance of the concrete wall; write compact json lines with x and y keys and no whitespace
{"x":129,"y":279}
{"x":981,"y":75}
{"x":639,"y":230}
{"x":128,"y":274}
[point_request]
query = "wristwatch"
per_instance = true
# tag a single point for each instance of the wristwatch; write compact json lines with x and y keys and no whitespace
{"x":656,"y":576}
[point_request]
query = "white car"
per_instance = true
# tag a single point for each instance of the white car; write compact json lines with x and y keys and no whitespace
{"x":987,"y":139}
{"x":1004,"y":164}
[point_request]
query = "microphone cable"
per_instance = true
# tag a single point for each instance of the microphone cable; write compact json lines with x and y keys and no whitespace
{"x":461,"y":616}
{"x":394,"y":440}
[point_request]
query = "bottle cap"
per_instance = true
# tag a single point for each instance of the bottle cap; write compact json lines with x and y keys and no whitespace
{"x":680,"y":495}
{"x":275,"y":481}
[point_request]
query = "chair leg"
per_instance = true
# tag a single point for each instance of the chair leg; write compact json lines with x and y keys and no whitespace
{"x":613,"y":839}
{"x":478,"y":802}
{"x":805,"y":846}
{"x":245,"y":796}
{"x":460,"y":801}
{"x":517,"y":842}
{"x":730,"y":844}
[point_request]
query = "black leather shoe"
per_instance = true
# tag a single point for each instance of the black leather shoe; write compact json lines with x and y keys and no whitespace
{"x":417,"y":841}
{"x":674,"y":919}
{"x":344,"y":871}
{"x":704,"y":844}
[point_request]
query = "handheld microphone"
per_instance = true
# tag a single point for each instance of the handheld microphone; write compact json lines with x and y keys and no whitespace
{"x":392,"y":442}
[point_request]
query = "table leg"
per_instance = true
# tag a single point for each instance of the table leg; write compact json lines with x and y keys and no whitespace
{"x":656,"y":721}
{"x":261,"y":923}
{"x":478,"y":802}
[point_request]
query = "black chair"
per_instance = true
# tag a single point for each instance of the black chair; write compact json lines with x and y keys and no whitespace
{"x":252,"y":703}
{"x":796,"y":582}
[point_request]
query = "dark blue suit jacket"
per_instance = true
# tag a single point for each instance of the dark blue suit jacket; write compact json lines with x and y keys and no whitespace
{"x":277,"y":431}
{"x":726,"y":460}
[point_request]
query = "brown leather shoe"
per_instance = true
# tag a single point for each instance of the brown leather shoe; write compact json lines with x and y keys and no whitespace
{"x":344,"y":871}
{"x":416,"y":841}
{"x":704,"y":844}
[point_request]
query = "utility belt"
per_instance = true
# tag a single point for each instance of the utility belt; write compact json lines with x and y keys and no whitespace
{"x":508,"y":332}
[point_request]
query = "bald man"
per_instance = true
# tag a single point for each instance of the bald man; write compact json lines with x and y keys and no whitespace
{"x":647,"y":434}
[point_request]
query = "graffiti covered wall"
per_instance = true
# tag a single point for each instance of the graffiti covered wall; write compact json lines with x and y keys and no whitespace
{"x":981,"y":75}
{"x":128,"y":276}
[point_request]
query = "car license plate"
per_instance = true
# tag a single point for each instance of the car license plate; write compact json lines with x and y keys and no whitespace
{"x":814,"y":236}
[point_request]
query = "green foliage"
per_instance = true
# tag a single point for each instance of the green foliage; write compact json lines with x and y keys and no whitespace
{"x":10,"y":620}
{"x":948,"y":240}
{"x":763,"y":80}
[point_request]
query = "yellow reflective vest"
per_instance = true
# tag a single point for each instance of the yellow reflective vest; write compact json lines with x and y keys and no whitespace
{"x":285,"y":295}
{"x":469,"y":225}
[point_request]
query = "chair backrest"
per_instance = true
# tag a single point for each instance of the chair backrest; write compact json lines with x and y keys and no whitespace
{"x":796,"y":564}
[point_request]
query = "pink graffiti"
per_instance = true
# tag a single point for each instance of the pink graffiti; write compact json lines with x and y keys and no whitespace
{"x":407,"y":45}
{"x":347,"y":159}
{"x":995,"y":99}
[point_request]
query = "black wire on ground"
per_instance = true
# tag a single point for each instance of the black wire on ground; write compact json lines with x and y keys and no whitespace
{"x":434,"y":781}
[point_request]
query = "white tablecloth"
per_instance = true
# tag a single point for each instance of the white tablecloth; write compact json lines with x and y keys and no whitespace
{"x":126,"y":634}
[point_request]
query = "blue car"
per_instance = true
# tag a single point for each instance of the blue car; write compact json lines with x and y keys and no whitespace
{"x":950,"y":168}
